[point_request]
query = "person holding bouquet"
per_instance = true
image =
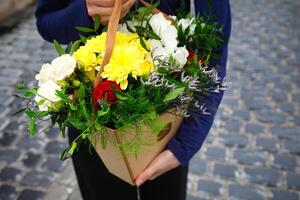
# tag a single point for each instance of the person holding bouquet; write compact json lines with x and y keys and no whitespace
{"x":166,"y":177}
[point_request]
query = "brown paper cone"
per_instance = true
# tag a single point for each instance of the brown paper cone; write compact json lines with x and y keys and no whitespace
{"x":127,"y":167}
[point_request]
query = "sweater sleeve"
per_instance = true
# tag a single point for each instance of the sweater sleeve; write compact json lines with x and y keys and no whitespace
{"x":57,"y":19}
{"x":192,"y":133}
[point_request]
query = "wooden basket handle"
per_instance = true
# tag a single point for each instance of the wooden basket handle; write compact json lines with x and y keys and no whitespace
{"x":112,"y":33}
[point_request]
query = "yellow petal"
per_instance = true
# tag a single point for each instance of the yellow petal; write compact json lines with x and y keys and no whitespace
{"x":124,"y":84}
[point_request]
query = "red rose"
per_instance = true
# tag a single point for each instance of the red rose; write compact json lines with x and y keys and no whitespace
{"x":105,"y":91}
{"x":191,"y":55}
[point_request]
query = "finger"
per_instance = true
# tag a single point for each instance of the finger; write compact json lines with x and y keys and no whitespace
{"x":143,"y":177}
{"x":101,"y":11}
{"x":104,"y":20}
{"x":126,"y":6}
{"x":105,"y":3}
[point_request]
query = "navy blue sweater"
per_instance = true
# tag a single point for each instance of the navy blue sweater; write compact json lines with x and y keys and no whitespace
{"x":56,"y":19}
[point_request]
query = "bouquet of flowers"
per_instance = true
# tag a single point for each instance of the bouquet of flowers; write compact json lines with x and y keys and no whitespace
{"x":127,"y":84}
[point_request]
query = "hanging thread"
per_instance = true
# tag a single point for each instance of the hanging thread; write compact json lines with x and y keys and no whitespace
{"x":138,"y":193}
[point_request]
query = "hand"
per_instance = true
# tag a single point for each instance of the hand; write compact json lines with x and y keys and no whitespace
{"x":104,"y":8}
{"x":164,"y":162}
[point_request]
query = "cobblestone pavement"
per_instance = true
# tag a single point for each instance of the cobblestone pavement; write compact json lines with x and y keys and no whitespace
{"x":252,"y":151}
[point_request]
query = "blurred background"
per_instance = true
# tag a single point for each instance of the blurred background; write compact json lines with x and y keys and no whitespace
{"x":252,"y":152}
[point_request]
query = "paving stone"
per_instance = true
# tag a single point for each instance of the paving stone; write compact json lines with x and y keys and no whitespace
{"x":31,"y":159}
{"x":293,"y":180}
{"x":292,"y":146}
{"x":268,"y":144}
{"x":12,"y":126}
{"x":9,"y":156}
{"x":262,"y":176}
{"x":55,"y":147}
{"x":240,"y":114}
{"x":35,"y":178}
{"x":254,"y":128}
{"x":233,"y":140}
{"x":31,"y":194}
{"x":285,"y":161}
{"x":53,"y":132}
{"x":198,"y":166}
{"x":53,"y":164}
{"x":215,"y":153}
{"x":287,"y":108}
{"x":239,"y":192}
{"x":209,"y":186}
{"x":8,"y":192}
{"x":225,"y":171}
{"x":191,"y":198}
{"x":30,"y":142}
{"x":6,"y":138}
{"x":257,"y":104}
{"x":276,"y":118}
{"x":249,"y":157}
{"x":232,"y":126}
{"x":292,"y":133}
{"x":296,"y":120}
{"x":284,"y":195}
{"x":9,"y":173}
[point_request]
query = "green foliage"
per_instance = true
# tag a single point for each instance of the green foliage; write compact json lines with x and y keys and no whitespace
{"x":58,"y":48}
{"x":173,"y":94}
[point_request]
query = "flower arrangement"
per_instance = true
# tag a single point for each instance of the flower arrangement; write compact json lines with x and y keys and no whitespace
{"x":158,"y":63}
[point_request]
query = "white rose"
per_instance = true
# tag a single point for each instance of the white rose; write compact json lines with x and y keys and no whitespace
{"x":167,"y":33}
{"x":185,"y":23}
{"x":47,"y":91}
{"x":180,"y":55}
{"x":165,"y":30}
{"x":45,"y":74}
{"x":158,"y":23}
{"x":169,"y":38}
{"x":63,"y":67}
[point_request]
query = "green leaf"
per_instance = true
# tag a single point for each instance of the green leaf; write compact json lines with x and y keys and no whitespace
{"x":30,"y":113}
{"x":82,"y":38}
{"x":32,"y":126}
{"x":77,"y":123}
{"x":119,"y":95}
{"x":84,"y":29}
{"x":152,"y":35}
{"x":59,"y":48}
{"x":72,"y":106}
{"x":129,"y":28}
{"x":143,"y":44}
{"x":61,"y":95}
{"x":68,"y":48}
{"x":101,"y":113}
{"x":28,"y":94}
{"x":97,"y":22}
{"x":21,"y":86}
{"x":72,"y":148}
{"x":81,"y":92}
{"x":174,"y":94}
{"x":75,"y":46}
{"x":41,"y":102}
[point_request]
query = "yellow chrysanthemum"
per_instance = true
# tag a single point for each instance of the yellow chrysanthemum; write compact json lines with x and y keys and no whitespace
{"x":128,"y":58}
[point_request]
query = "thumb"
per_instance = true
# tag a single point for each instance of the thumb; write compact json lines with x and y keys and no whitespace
{"x":144,"y":176}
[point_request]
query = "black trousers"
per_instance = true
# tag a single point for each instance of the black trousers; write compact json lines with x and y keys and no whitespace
{"x":96,"y":183}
